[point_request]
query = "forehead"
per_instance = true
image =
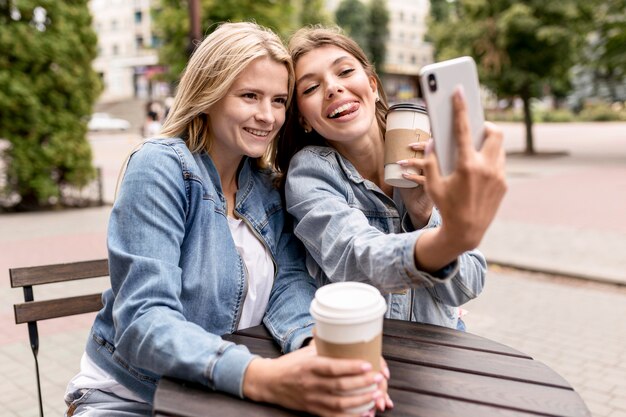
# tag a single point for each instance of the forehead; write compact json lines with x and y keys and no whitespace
{"x":263,"y":73}
{"x":322,"y":57}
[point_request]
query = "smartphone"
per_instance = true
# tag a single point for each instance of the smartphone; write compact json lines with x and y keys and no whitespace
{"x":438,"y":82}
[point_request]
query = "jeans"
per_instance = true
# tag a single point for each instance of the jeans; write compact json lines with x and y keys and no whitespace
{"x":96,"y":403}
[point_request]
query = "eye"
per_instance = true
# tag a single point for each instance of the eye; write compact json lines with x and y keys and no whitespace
{"x":345,"y":72}
{"x":280,"y":100}
{"x":251,"y":96}
{"x":310,"y":89}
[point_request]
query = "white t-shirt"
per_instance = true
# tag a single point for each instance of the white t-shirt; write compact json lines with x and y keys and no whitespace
{"x":260,"y":274}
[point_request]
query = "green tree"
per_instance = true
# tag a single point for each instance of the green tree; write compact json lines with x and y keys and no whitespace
{"x":606,"y":52}
{"x":377,"y":33}
{"x":47,"y":90}
{"x":172,"y":23}
{"x":313,"y":12}
{"x":353,"y":17}
{"x":520,"y":47}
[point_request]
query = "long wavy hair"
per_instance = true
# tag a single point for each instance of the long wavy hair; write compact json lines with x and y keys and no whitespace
{"x":302,"y":42}
{"x":211,"y":71}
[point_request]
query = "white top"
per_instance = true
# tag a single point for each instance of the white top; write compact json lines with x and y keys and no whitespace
{"x":260,"y":273}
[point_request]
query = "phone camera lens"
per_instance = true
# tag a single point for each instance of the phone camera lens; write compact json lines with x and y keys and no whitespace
{"x":432,"y":82}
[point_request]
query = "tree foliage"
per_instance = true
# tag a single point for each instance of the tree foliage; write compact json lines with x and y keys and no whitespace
{"x":378,"y":33}
{"x":313,"y":12}
{"x":172,"y":23}
{"x":368,"y":25}
{"x":47,"y":90}
{"x":520,"y":47}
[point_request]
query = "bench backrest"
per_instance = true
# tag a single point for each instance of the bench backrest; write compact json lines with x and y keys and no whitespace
{"x":31,"y":311}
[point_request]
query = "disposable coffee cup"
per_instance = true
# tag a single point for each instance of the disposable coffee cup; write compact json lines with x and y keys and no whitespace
{"x":406,"y":123}
{"x":349,"y":324}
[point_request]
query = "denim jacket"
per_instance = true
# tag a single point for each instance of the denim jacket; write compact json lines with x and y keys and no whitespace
{"x":177,"y":280}
{"x":353,"y":231}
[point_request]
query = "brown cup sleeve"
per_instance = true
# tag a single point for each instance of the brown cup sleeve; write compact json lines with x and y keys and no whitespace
{"x":397,"y":143}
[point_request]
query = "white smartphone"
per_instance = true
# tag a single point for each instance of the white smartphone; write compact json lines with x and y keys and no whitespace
{"x":438,"y":82}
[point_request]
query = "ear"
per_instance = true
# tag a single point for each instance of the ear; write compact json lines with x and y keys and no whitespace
{"x":373,"y":84}
{"x":305,"y":125}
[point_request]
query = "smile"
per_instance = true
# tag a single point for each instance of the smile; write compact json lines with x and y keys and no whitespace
{"x":257,"y":132}
{"x":344,"y":110}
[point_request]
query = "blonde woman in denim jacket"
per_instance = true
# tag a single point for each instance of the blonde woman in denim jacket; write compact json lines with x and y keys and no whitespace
{"x":199,"y":247}
{"x":356,"y":227}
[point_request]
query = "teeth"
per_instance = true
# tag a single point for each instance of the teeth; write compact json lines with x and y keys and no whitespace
{"x":340,"y":109}
{"x":258,"y":132}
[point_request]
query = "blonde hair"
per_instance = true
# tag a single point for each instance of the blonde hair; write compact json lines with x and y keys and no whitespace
{"x":211,"y":71}
{"x":302,"y":42}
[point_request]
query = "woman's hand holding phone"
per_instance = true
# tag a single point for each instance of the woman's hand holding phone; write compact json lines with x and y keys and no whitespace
{"x":469,"y":197}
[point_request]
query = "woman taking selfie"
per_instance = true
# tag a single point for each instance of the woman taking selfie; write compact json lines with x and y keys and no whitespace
{"x":356,"y":227}
{"x":199,"y":247}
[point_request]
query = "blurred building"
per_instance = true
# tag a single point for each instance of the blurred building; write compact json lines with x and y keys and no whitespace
{"x":407,"y":51}
{"x":127,"y":60}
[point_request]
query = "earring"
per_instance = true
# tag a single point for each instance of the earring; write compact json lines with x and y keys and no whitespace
{"x":377,"y":99}
{"x":307,"y":130}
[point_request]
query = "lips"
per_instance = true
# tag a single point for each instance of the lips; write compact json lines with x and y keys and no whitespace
{"x":342,"y":109}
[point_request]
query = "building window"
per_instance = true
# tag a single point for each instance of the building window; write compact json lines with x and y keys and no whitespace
{"x":139,"y":42}
{"x":413,"y":59}
{"x":138,"y":16}
{"x":115,"y":50}
{"x":113,"y":24}
{"x":401,"y":17}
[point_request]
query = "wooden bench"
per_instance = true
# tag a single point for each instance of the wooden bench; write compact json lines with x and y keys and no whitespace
{"x":31,"y":311}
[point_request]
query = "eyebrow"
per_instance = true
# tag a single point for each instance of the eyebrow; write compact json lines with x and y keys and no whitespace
{"x":335,"y":62}
{"x":257,"y":91}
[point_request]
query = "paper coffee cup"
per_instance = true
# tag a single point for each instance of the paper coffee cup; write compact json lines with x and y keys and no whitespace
{"x":349,"y":324}
{"x":406,"y":123}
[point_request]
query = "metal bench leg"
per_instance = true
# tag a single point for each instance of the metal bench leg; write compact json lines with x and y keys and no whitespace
{"x":33,"y":336}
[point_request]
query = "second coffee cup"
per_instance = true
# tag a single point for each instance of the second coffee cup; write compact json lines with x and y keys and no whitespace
{"x":349,"y":323}
{"x":406,"y":123}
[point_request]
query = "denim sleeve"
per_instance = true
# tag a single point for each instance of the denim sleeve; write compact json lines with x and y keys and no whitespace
{"x":287,"y":316}
{"x":339,"y":237}
{"x":468,"y":272}
{"x":146,"y":231}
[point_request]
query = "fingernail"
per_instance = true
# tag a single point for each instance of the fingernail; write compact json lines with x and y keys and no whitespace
{"x":386,"y":372}
{"x":414,"y":144}
{"x":402,"y":162}
{"x":377,"y":394}
{"x":366,"y":367}
{"x":378,"y":378}
{"x":406,"y":175}
{"x":460,"y":91}
{"x":390,"y":403}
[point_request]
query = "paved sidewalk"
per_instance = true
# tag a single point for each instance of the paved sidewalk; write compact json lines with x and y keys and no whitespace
{"x":561,"y":214}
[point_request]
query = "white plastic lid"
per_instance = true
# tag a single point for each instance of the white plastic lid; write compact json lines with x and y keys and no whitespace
{"x":348,"y":302}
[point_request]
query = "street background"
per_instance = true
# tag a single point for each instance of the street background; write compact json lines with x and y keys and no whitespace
{"x":561,"y":226}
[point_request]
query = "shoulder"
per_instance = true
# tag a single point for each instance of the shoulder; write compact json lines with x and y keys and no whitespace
{"x":322,"y":157}
{"x":164,"y":153}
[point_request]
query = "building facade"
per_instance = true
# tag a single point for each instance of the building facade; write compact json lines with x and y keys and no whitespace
{"x":127,"y":60}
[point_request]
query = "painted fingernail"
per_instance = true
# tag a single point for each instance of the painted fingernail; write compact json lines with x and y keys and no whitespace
{"x":386,"y":372}
{"x":390,"y":403}
{"x":366,"y":367}
{"x":406,"y":175}
{"x":378,"y":378}
{"x":377,"y":394}
{"x":402,"y":162}
{"x":414,"y":144}
{"x":460,"y":91}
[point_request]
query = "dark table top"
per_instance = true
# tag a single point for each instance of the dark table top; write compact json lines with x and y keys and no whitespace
{"x":435,"y":371}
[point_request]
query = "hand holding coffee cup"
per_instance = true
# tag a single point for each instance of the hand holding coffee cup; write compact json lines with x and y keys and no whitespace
{"x":349,"y":324}
{"x":406,"y":124}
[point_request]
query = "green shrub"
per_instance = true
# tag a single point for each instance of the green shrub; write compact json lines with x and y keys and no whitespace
{"x":602,"y":112}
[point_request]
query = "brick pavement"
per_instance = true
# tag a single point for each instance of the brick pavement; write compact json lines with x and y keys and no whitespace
{"x":574,"y":326}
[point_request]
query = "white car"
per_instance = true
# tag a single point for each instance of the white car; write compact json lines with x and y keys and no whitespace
{"x":104,"y":121}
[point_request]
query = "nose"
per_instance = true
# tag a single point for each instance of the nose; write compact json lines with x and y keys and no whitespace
{"x":264,"y":112}
{"x":333,"y":88}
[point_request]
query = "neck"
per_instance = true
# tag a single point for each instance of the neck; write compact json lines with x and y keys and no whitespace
{"x":367,"y":154}
{"x":227,"y":169}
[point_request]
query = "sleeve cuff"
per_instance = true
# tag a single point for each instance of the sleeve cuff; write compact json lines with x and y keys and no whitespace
{"x":229,"y":370}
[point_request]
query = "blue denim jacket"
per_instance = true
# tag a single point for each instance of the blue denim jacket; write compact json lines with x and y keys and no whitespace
{"x":353,"y":231}
{"x":178,"y":282}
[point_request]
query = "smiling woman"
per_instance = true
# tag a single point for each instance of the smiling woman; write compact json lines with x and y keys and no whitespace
{"x":353,"y":224}
{"x":199,"y":247}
